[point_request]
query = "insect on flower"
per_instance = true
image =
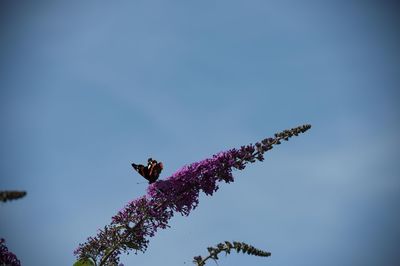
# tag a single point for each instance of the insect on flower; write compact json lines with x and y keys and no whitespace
{"x":179,"y":193}
{"x":151,"y":172}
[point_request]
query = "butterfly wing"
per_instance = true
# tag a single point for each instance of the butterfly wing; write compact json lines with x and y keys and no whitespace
{"x":154,"y":171}
{"x":142,"y":170}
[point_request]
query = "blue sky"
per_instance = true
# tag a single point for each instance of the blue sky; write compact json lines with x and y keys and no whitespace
{"x":89,"y":87}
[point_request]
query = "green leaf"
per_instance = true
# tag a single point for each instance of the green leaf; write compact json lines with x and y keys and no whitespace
{"x":84,"y":262}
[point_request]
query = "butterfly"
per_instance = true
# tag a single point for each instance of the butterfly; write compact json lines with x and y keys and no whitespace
{"x":151,"y":172}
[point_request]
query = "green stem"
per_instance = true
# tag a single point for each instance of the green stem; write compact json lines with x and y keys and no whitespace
{"x":105,"y":258}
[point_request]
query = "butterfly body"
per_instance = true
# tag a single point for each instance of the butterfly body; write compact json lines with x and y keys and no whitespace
{"x":151,"y":172}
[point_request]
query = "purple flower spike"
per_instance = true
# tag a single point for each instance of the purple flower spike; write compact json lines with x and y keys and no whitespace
{"x":141,"y":218}
{"x":7,"y":257}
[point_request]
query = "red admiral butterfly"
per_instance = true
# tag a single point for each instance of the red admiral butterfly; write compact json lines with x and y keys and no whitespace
{"x":151,"y":172}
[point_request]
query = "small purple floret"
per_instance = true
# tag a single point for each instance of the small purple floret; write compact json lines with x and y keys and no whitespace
{"x":7,"y":257}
